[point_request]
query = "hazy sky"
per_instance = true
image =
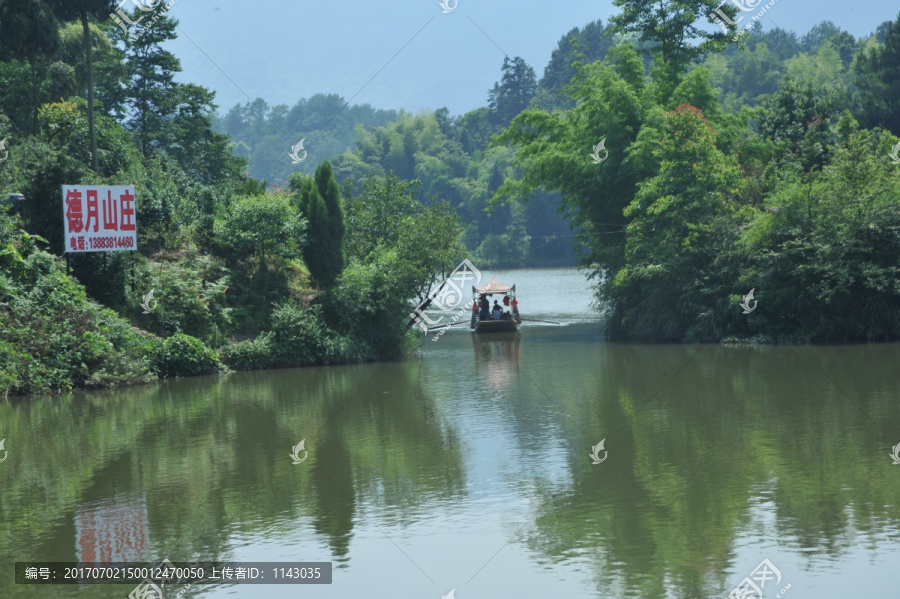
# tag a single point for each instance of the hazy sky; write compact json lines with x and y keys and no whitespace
{"x":408,"y":53}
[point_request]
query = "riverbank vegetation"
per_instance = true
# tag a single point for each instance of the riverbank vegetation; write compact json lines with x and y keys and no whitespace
{"x":761,"y":164}
{"x":788,"y":189}
{"x":244,"y":275}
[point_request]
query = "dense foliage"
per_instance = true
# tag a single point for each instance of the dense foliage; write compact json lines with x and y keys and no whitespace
{"x":233,"y":272}
{"x":752,"y":161}
{"x":448,"y":155}
{"x":319,"y":201}
{"x":51,"y":335}
{"x":698,"y":203}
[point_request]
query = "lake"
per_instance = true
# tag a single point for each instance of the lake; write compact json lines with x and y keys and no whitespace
{"x":469,"y":466}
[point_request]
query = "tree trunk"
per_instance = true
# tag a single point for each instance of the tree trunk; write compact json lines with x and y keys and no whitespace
{"x":90,"y":90}
{"x":34,"y":97}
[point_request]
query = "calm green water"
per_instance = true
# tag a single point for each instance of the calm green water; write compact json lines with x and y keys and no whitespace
{"x":468,"y":467}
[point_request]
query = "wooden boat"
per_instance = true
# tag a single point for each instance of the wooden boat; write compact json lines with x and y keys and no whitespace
{"x":496,"y":326}
{"x":511,"y":318}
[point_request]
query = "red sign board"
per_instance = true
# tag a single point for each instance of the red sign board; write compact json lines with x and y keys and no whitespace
{"x":99,"y":218}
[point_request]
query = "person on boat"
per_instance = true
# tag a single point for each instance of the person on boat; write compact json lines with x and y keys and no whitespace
{"x":506,"y":300}
{"x":485,"y":308}
{"x":497,"y":311}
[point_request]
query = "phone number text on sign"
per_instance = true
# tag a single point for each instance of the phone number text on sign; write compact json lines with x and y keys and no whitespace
{"x":99,"y":218}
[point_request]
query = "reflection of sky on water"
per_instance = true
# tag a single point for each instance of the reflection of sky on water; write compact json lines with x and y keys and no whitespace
{"x":497,"y":361}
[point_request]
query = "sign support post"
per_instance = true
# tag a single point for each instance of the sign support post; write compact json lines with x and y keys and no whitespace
{"x":99,"y":218}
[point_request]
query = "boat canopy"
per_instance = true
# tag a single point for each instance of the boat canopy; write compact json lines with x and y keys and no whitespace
{"x":493,"y":286}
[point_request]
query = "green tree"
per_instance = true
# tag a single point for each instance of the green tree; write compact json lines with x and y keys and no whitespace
{"x":669,"y":28}
{"x":796,"y":119}
{"x":152,"y":91}
{"x":877,"y":77}
{"x":825,"y":251}
{"x":318,"y":199}
{"x":475,"y":129}
{"x":552,"y":153}
{"x":333,"y":226}
{"x":817,"y":35}
{"x":109,"y":69}
{"x":374,"y":216}
{"x":682,"y":221}
{"x":261,"y":225}
{"x":824,"y":66}
{"x":28,"y":31}
{"x":512,"y":94}
{"x":588,"y":44}
{"x":783,"y":43}
{"x":68,"y":10}
{"x":201,"y":151}
{"x":747,"y":74}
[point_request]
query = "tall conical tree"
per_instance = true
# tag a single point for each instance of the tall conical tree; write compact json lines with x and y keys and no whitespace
{"x":305,"y":189}
{"x":332,"y":235}
{"x":315,"y":252}
{"x":298,"y":184}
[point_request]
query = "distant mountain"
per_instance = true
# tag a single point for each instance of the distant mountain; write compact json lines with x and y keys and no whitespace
{"x":264,"y":134}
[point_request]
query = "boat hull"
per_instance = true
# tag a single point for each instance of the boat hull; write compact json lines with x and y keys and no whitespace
{"x":496,"y":326}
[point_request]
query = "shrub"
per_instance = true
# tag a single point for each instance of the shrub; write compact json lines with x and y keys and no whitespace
{"x":300,"y":335}
{"x":51,"y":336}
{"x":188,"y":298}
{"x":183,"y":355}
{"x":260,"y":225}
{"x":253,"y":354}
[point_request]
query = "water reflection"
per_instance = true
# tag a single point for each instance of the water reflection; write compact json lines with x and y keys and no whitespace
{"x":497,"y":359}
{"x":210,"y":457}
{"x":719,"y":457}
{"x":112,"y":531}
